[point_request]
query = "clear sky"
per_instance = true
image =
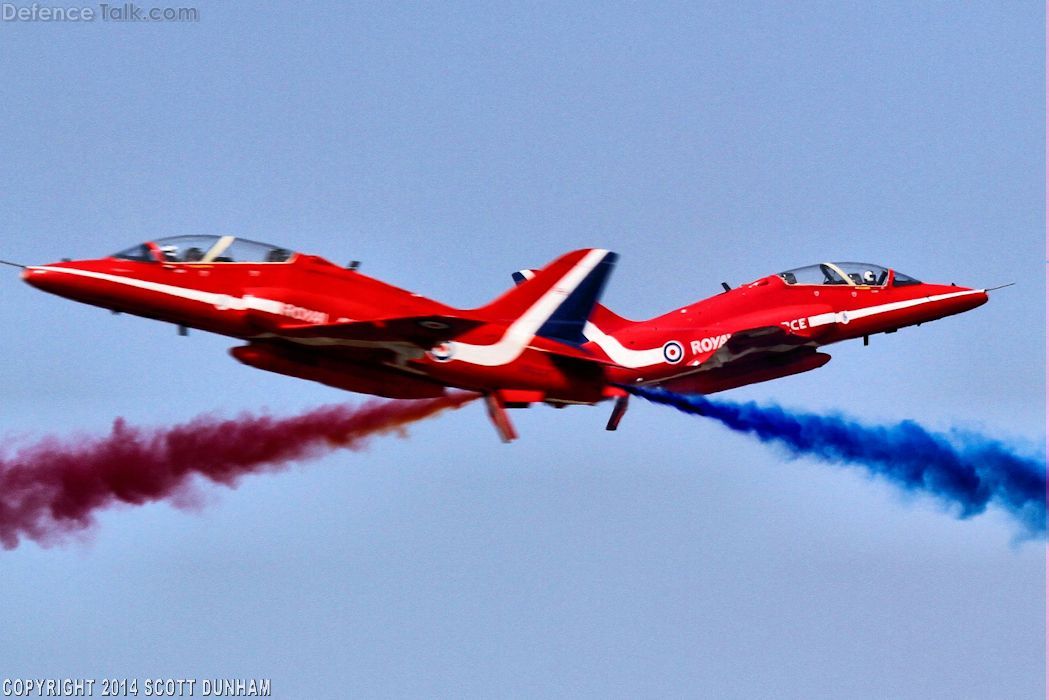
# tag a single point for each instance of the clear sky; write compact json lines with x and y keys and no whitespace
{"x":446,"y":145}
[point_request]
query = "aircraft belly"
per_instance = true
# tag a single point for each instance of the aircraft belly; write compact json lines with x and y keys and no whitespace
{"x":533,"y":371}
{"x":746,"y":372}
{"x":363,"y":378}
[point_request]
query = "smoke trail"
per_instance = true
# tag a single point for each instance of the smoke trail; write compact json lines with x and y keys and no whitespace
{"x":53,"y":488}
{"x":965,"y":470}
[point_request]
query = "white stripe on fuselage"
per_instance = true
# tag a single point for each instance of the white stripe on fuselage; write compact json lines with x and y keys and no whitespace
{"x":624,"y":357}
{"x":219,"y":301}
{"x":864,"y":312}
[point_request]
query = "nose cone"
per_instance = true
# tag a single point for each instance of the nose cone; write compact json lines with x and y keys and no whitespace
{"x":947,"y":300}
{"x":966,"y":299}
{"x":45,"y":278}
{"x":63,"y":279}
{"x":979,"y":298}
{"x":35,"y":276}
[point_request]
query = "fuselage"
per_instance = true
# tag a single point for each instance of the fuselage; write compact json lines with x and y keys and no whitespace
{"x":818,"y":314}
{"x":257,"y":301}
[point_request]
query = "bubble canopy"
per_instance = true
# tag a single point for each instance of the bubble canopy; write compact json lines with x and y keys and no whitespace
{"x":846,"y":273}
{"x":206,"y":249}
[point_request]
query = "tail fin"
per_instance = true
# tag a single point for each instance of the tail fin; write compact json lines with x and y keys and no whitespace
{"x":600,"y":315}
{"x":558,"y":299}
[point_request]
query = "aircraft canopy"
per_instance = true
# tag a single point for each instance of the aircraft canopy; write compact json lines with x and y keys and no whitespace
{"x":206,"y":249}
{"x":846,"y":273}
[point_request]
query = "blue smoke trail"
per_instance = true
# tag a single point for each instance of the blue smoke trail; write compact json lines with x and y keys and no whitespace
{"x":963,"y":469}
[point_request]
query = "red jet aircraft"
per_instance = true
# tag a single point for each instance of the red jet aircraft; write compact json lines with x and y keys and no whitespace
{"x":546,"y":340}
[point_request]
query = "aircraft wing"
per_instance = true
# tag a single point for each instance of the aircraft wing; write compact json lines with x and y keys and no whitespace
{"x":421,"y":331}
{"x":763,"y":340}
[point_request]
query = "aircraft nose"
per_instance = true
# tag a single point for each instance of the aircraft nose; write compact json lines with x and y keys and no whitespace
{"x":39,"y":277}
{"x":49,"y":278}
{"x":956,"y":300}
{"x":978,"y":297}
{"x":31,"y":273}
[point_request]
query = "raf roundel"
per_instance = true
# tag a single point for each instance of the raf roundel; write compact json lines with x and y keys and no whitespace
{"x":443,"y":352}
{"x":673,"y":352}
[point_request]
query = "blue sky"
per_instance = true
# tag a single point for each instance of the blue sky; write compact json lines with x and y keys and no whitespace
{"x":445,"y":147}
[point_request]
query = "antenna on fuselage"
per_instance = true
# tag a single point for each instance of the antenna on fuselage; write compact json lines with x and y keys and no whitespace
{"x":724,"y":285}
{"x":353,"y":265}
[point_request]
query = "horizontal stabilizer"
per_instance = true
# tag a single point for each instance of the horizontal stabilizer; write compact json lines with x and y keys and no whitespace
{"x":570,"y":352}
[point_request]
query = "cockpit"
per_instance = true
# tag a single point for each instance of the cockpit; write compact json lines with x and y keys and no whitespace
{"x":847,"y":273}
{"x":205,"y":250}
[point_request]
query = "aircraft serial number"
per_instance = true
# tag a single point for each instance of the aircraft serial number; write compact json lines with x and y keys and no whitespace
{"x":300,"y":313}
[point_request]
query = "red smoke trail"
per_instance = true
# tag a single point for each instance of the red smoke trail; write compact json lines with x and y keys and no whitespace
{"x":54,"y":487}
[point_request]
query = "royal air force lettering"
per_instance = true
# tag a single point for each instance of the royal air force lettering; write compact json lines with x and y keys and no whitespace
{"x":710,"y":344}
